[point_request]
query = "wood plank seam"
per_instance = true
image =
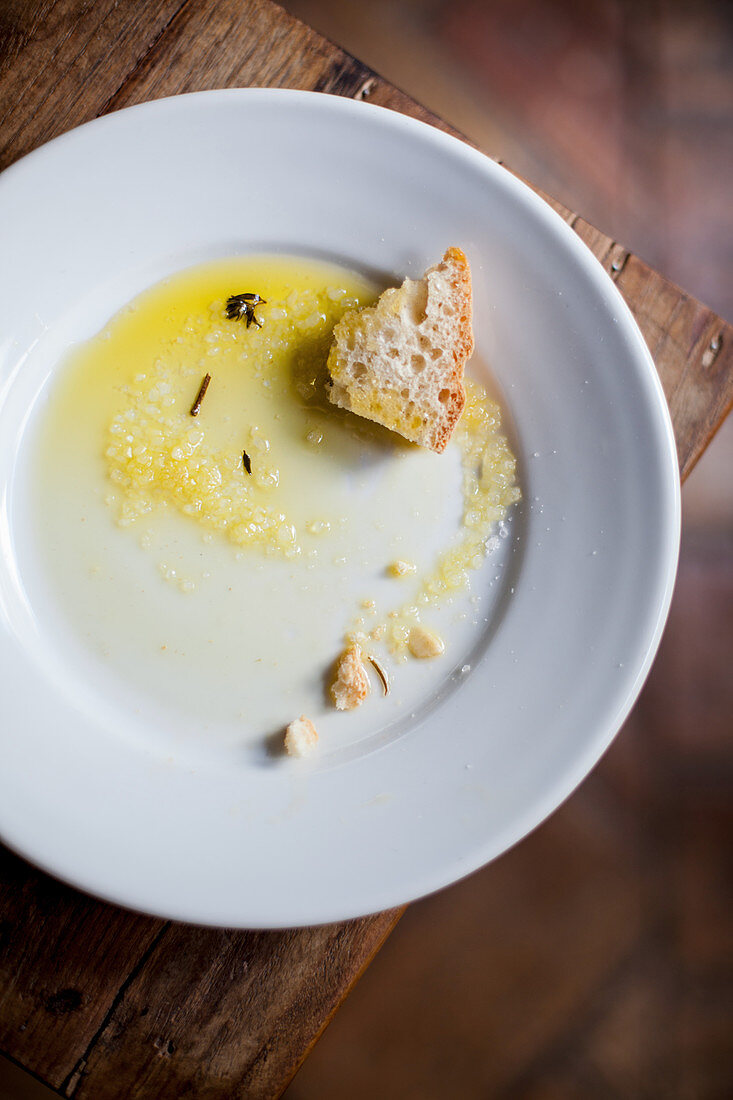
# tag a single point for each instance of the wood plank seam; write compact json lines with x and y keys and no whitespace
{"x":69,"y":1086}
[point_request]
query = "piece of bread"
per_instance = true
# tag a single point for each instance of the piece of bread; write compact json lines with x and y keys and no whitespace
{"x":425,"y":643}
{"x":400,"y":362}
{"x":300,"y":737}
{"x":351,"y":684}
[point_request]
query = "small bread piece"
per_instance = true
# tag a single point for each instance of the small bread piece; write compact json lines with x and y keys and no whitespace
{"x":425,"y":643}
{"x":351,"y":685}
{"x":401,"y":568}
{"x":300,"y":737}
{"x":400,"y":362}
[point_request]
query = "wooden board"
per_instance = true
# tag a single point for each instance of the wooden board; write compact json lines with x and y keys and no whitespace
{"x":95,"y":1001}
{"x":99,"y":1002}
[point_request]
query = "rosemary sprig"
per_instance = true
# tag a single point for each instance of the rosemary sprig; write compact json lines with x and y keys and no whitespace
{"x":241,"y":307}
{"x":381,"y":674}
{"x":200,"y":395}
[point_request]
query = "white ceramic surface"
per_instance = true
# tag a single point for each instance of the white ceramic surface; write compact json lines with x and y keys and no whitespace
{"x":85,"y":792}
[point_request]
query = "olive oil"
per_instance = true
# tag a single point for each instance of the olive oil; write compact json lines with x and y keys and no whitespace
{"x":211,"y":563}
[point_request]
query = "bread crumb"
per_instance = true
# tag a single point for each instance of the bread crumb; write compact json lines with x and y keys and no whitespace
{"x":300,"y":737}
{"x":351,"y":686}
{"x":401,"y":568}
{"x":425,"y":643}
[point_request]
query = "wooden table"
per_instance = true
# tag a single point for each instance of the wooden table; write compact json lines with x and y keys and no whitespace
{"x":96,"y":1001}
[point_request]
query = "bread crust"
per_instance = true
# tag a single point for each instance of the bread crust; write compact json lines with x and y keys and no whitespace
{"x":401,"y":361}
{"x":463,"y":349}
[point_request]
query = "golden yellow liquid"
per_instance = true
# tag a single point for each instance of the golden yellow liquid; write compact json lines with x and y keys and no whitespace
{"x":137,"y":382}
{"x":224,"y":595}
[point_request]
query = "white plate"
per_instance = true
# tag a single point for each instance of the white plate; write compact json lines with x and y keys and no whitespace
{"x":85,"y":791}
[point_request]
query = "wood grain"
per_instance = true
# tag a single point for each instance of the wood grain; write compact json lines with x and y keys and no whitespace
{"x":61,"y":61}
{"x":64,"y":957}
{"x":96,"y":1001}
{"x":221,"y":1014}
{"x":99,"y":1002}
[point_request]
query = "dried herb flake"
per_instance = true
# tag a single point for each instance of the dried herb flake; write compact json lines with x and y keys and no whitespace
{"x":200,"y":395}
{"x":241,"y":307}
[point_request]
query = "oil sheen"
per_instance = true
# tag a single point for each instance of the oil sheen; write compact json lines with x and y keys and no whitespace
{"x":213,"y":563}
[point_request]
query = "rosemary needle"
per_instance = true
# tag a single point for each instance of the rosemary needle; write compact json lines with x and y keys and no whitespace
{"x":381,"y":674}
{"x":200,"y":395}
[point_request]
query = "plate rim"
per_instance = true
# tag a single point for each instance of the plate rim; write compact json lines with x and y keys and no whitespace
{"x":595,"y":745}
